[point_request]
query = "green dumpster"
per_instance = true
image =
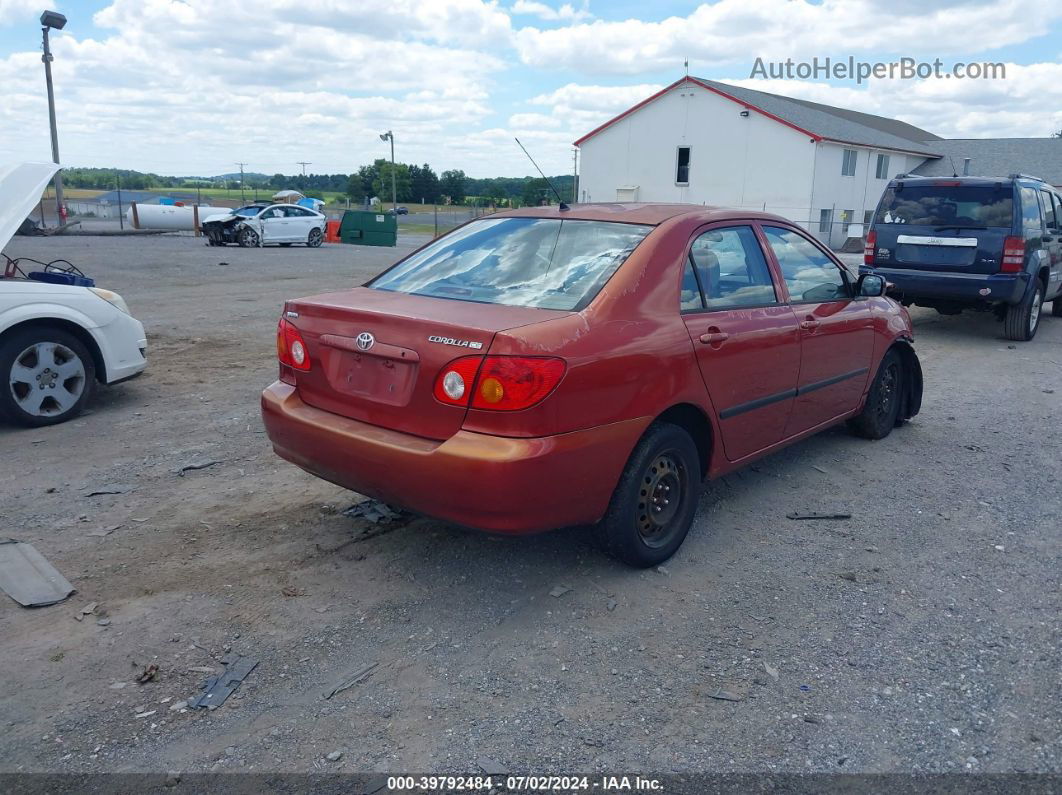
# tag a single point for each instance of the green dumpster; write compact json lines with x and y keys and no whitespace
{"x":364,"y":228}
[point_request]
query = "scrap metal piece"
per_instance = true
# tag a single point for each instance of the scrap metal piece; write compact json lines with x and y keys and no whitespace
{"x":28,"y":578}
{"x":352,"y":680}
{"x":218,"y":688}
{"x":375,"y":511}
{"x":813,"y":515}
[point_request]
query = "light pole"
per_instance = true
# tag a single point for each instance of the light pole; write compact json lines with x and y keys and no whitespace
{"x":53,"y":19}
{"x":390,"y":136}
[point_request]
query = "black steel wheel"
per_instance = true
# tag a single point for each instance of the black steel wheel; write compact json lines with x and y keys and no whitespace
{"x":880,"y":412}
{"x":653,"y":505}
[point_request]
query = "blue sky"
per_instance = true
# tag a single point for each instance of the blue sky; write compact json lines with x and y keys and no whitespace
{"x":192,"y":86}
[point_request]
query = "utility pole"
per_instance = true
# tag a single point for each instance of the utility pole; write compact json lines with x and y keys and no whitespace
{"x":242,"y":197}
{"x":304,"y":163}
{"x":390,"y":136}
{"x":118,"y":184}
{"x":49,"y":20}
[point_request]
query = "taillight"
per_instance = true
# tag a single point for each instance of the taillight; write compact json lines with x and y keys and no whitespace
{"x":1013,"y":255}
{"x":291,"y":349}
{"x":869,"y":246}
{"x":502,"y":383}
{"x":455,"y":382}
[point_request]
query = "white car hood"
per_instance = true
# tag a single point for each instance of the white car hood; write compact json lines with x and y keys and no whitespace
{"x":21,"y":186}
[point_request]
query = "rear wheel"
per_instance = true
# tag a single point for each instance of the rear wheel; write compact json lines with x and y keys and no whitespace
{"x":1022,"y":320}
{"x":46,"y":376}
{"x":1056,"y":306}
{"x":654,"y":502}
{"x":315,"y":238}
{"x":882,"y":408}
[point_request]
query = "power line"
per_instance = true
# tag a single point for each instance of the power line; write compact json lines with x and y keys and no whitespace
{"x":304,"y":163}
{"x":241,"y":165}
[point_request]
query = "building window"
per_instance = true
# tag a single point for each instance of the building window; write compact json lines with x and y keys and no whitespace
{"x":848,"y":163}
{"x":825,"y":219}
{"x":682,"y":172}
{"x":867,"y":215}
{"x":846,"y":221}
{"x":882,"y":171}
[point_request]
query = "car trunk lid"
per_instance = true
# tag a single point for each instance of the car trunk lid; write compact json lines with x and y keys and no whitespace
{"x":388,"y":381}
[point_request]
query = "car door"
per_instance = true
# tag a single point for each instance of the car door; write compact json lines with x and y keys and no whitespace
{"x":274,"y":225}
{"x":300,"y":222}
{"x":836,"y":331}
{"x":746,"y":338}
{"x":1052,"y":240}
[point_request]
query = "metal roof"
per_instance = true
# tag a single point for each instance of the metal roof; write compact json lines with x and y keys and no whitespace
{"x":1041,"y":157}
{"x":821,"y":122}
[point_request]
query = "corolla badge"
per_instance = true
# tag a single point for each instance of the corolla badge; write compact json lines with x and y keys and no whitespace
{"x":365,"y":341}
{"x":459,"y":343}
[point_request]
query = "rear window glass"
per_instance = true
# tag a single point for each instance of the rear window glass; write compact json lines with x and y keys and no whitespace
{"x":948,"y":205}
{"x":539,"y":262}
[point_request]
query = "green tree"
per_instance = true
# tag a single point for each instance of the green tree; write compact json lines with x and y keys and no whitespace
{"x":424,"y":184}
{"x":453,"y":184}
{"x":381,"y":185}
{"x":535,"y":190}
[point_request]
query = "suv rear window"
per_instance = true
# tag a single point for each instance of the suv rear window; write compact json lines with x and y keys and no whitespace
{"x":539,"y":262}
{"x":974,"y":206}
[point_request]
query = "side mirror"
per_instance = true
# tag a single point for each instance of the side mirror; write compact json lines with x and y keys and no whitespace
{"x":871,"y":286}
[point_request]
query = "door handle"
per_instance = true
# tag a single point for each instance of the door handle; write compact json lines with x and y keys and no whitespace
{"x":714,"y":336}
{"x":809,"y":323}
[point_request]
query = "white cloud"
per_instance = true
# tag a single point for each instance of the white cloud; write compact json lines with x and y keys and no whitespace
{"x":565,"y":13}
{"x":12,"y":11}
{"x":737,"y":31}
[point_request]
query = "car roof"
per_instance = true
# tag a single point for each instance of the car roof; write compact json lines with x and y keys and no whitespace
{"x":636,"y":213}
{"x":917,"y":179}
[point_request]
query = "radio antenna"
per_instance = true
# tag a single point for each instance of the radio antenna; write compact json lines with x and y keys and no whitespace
{"x":553,"y":187}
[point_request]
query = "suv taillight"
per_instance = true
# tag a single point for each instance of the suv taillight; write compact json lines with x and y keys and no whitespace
{"x":498,"y":383}
{"x":291,"y":349}
{"x":1013,"y":255}
{"x":869,"y":246}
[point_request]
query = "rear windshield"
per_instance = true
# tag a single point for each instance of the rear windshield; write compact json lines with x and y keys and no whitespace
{"x":539,"y":262}
{"x":972,"y":206}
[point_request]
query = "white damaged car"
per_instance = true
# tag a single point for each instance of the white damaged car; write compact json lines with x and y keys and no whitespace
{"x":57,"y":341}
{"x":265,"y":224}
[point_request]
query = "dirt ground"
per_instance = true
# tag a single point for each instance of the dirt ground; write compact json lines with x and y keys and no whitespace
{"x":920,"y":635}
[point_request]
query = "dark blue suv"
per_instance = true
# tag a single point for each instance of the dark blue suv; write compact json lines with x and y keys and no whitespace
{"x":971,"y":243}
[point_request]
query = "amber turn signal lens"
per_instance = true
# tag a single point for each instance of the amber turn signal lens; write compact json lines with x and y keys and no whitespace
{"x":491,"y":390}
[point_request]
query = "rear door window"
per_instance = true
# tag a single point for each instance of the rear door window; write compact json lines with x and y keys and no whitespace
{"x":810,"y":275}
{"x":948,"y":205}
{"x":1049,"y":210}
{"x":731,"y":268}
{"x":540,"y":262}
{"x":1030,"y":211}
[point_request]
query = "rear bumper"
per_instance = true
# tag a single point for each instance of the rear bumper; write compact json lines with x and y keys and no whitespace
{"x":968,"y":288}
{"x":493,"y":483}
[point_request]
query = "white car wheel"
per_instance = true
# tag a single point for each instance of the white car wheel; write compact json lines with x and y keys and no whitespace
{"x":46,"y":376}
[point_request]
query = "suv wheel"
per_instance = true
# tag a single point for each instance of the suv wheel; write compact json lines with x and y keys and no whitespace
{"x":880,"y":412}
{"x":1022,"y":320}
{"x":1056,"y":306}
{"x":654,"y":502}
{"x":46,"y":376}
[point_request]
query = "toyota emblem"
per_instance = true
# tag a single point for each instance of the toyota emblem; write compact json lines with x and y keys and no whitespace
{"x":365,"y":341}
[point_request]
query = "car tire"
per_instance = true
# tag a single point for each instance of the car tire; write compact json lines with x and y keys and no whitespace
{"x":248,"y":238}
{"x":653,"y":505}
{"x":881,"y":412}
{"x":46,"y":376}
{"x":1022,"y":320}
{"x":1056,"y":306}
{"x":315,"y":238}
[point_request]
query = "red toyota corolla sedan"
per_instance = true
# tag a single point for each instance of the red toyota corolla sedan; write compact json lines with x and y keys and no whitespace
{"x":550,"y":367}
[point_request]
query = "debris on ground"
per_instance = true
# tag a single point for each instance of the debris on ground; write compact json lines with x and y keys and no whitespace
{"x":290,"y":590}
{"x":611,"y":605}
{"x":491,"y":767}
{"x":218,"y":688}
{"x":559,"y":591}
{"x":727,"y":695}
{"x":335,"y":756}
{"x":192,"y":467}
{"x":814,"y":515}
{"x":110,"y":488}
{"x":375,"y":512}
{"x":106,"y":531}
{"x":850,"y":576}
{"x":148,"y":674}
{"x":28,"y":578}
{"x":146,"y":714}
{"x":350,"y":681}
{"x":771,"y":671}
{"x":104,"y":622}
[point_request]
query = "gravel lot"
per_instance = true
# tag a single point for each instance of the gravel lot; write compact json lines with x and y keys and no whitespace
{"x":921,"y":635}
